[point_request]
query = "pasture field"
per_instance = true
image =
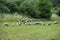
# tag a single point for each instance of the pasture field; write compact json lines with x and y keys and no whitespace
{"x":29,"y":32}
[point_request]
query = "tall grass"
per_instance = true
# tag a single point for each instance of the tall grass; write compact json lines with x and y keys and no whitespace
{"x":12,"y":17}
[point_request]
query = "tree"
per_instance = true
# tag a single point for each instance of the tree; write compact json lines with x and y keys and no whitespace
{"x":3,"y":8}
{"x":58,"y":13}
{"x":12,"y":6}
{"x":44,"y":6}
{"x":55,"y":2}
{"x":27,"y":8}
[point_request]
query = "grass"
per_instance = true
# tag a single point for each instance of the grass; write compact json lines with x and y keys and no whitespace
{"x":28,"y":32}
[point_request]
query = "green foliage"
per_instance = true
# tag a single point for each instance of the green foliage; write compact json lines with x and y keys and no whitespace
{"x":58,"y":13}
{"x":3,"y":1}
{"x":55,"y":3}
{"x":12,"y":6}
{"x":28,"y":8}
{"x":44,"y":6}
{"x":32,"y":8}
{"x":3,"y":8}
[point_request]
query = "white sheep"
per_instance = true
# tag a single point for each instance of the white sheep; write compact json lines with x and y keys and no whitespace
{"x":6,"y":24}
{"x":55,"y":22}
{"x":49,"y":23}
{"x":18,"y":20}
{"x":13,"y":24}
{"x":32,"y":23}
{"x":41,"y":23}
{"x":18,"y":23}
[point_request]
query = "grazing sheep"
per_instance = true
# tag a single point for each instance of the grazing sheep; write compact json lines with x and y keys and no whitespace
{"x":13,"y":24}
{"x":22,"y":20}
{"x":41,"y":23}
{"x":43,"y":19}
{"x":30,"y":20}
{"x":37,"y":23}
{"x":25,"y":21}
{"x":32,"y":23}
{"x":18,"y":20}
{"x":56,"y":22}
{"x":18,"y":23}
{"x":6,"y":24}
{"x":49,"y":23}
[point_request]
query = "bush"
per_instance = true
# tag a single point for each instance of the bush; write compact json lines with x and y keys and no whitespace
{"x":28,"y":9}
{"x":35,"y":8}
{"x":12,"y":7}
{"x":58,"y":13}
{"x":44,"y":6}
{"x":4,"y":9}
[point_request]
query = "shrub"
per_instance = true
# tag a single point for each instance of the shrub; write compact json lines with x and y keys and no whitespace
{"x":12,"y":6}
{"x":44,"y":6}
{"x":58,"y":13}
{"x":28,"y":9}
{"x":4,"y":9}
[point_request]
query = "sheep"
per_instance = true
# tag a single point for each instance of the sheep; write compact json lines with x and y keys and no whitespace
{"x":42,"y":19}
{"x":18,"y":20}
{"x":56,"y":22}
{"x":30,"y":20}
{"x":32,"y":23}
{"x":25,"y":21}
{"x":22,"y":20}
{"x":13,"y":24}
{"x":6,"y":24}
{"x":18,"y":23}
{"x":37,"y":23}
{"x":49,"y":23}
{"x":41,"y":23}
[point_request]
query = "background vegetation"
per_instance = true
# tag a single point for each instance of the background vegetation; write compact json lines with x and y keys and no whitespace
{"x":33,"y":8}
{"x":11,"y":10}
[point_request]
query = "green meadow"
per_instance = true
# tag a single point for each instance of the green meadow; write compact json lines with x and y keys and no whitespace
{"x":29,"y":32}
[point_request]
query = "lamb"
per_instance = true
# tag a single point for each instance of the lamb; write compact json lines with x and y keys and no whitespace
{"x":25,"y":22}
{"x":18,"y":23}
{"x":6,"y":24}
{"x":30,"y":20}
{"x":41,"y":23}
{"x":13,"y":24}
{"x":56,"y":22}
{"x":17,"y":20}
{"x":32,"y":23}
{"x":49,"y":23}
{"x":35,"y":23}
